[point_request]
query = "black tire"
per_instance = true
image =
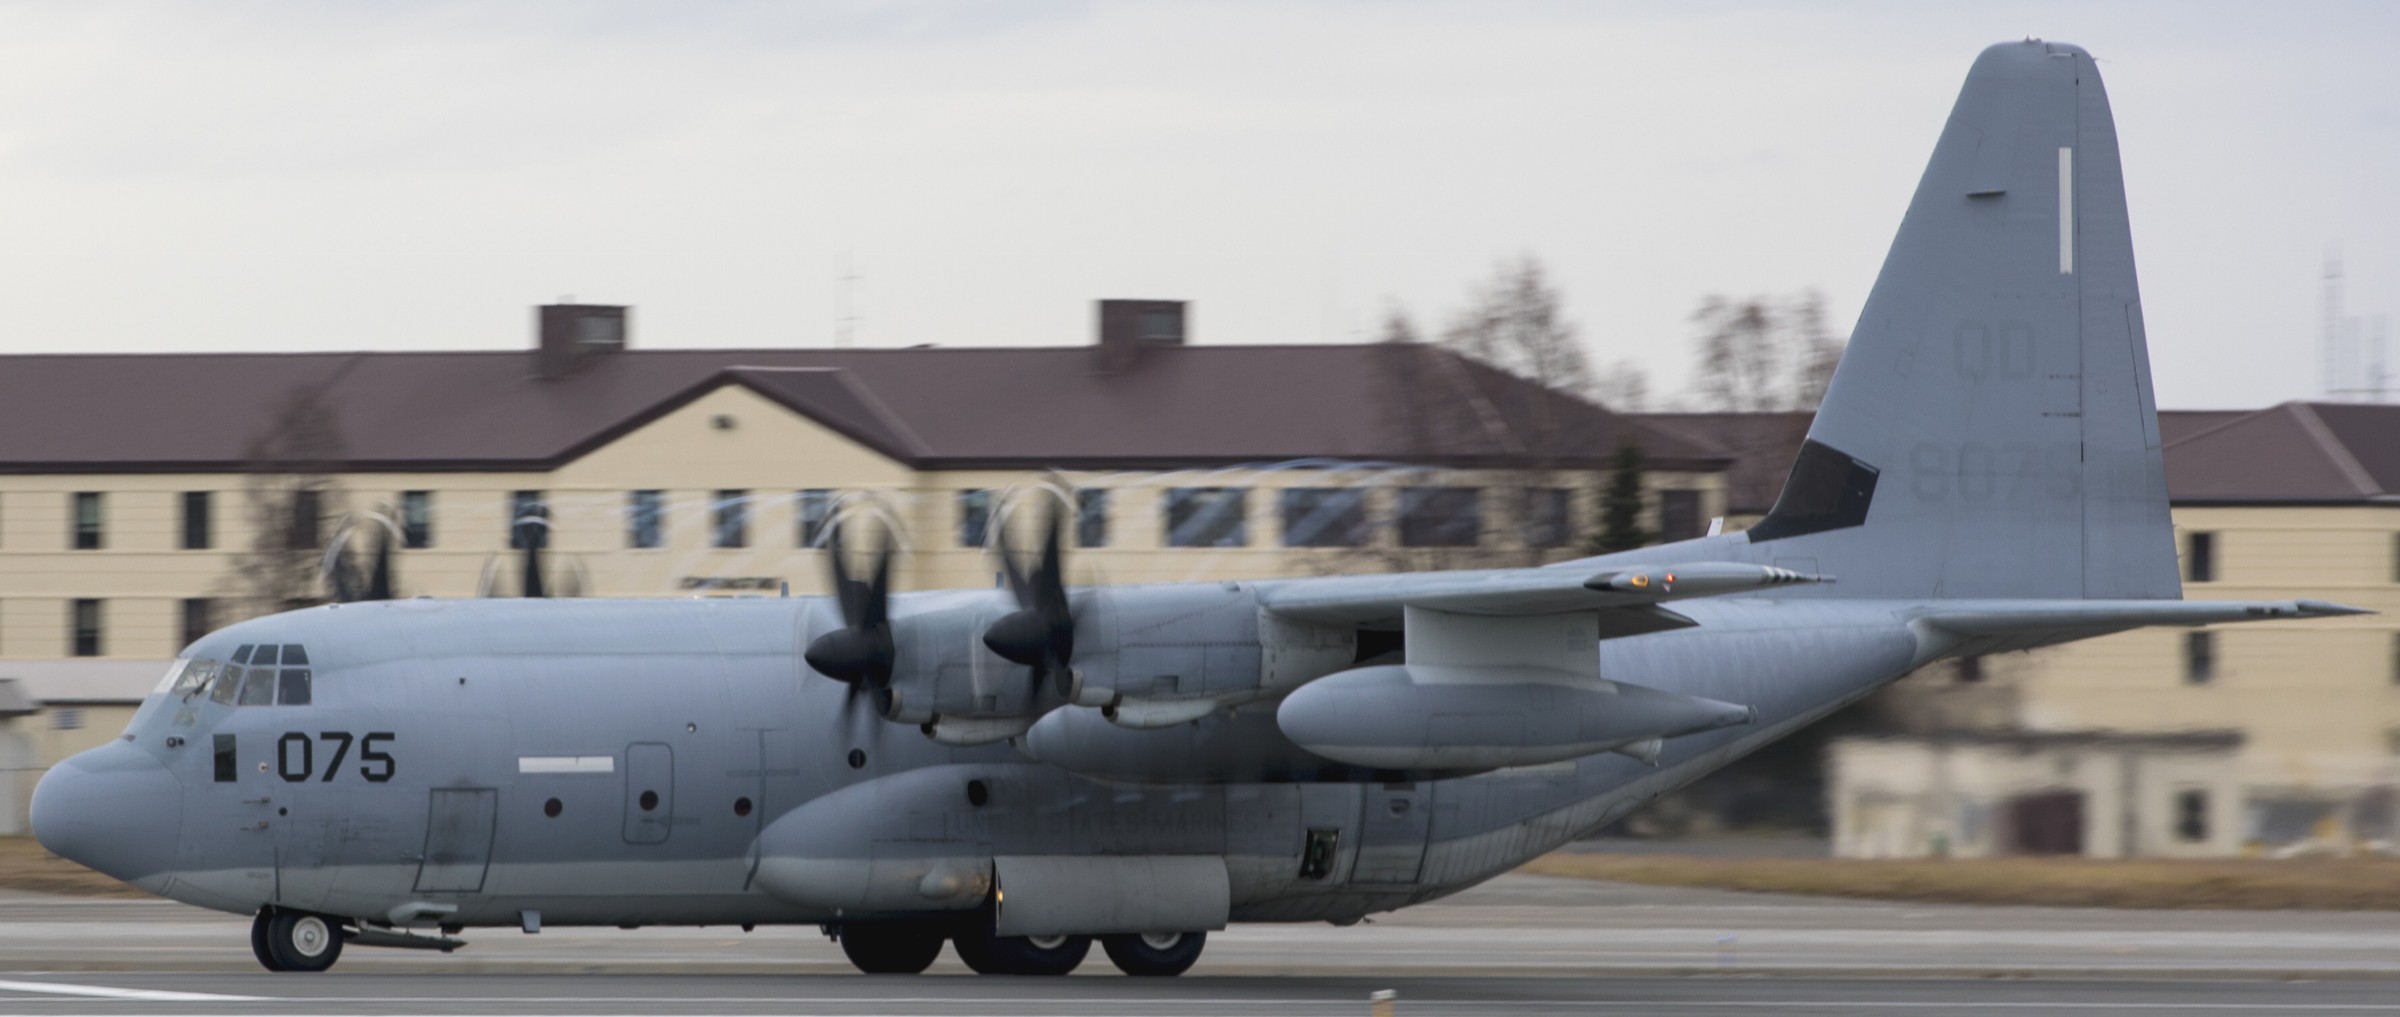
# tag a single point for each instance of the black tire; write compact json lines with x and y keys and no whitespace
{"x":1021,"y":955}
{"x":258,"y":940}
{"x":891,"y":949}
{"x":1155,"y":954}
{"x":301,"y":940}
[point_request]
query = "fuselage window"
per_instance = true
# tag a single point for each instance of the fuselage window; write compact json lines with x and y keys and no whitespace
{"x":229,"y":685}
{"x":258,"y":687}
{"x":294,"y":689}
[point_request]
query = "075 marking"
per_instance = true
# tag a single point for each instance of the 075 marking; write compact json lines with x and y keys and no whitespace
{"x":298,"y":766}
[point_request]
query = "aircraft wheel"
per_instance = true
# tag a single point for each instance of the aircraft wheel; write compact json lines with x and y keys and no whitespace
{"x":1021,"y":955}
{"x":258,"y":940}
{"x":299,"y":940}
{"x":1155,"y":954}
{"x":891,"y":949}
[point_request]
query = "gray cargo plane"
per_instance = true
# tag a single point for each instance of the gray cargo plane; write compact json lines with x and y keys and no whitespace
{"x":1018,"y":772}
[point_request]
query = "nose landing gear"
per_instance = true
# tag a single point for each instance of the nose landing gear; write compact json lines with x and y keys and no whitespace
{"x":287,"y":940}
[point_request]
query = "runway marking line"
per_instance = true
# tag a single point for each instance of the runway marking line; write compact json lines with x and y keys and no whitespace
{"x":112,"y":992}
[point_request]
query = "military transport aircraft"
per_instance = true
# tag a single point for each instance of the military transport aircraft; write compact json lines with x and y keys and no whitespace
{"x":1017,"y":772}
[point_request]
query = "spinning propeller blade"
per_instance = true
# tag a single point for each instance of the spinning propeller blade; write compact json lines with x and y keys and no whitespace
{"x":1040,"y":634}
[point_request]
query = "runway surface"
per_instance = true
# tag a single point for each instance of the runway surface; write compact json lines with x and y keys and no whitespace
{"x":1521,"y":944}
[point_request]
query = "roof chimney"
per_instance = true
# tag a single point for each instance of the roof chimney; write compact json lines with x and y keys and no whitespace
{"x":1131,"y":328}
{"x":566,"y":335}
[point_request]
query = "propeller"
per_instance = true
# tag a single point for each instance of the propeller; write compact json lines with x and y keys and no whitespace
{"x":341,"y":575}
{"x":532,"y":531}
{"x":860,"y":653}
{"x":1040,"y":634}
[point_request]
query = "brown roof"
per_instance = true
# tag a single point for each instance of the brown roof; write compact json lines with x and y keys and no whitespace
{"x":1762,"y":446}
{"x":2292,"y":453}
{"x":931,"y":408}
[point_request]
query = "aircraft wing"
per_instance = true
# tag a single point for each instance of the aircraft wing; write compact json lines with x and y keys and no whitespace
{"x":1627,"y":598}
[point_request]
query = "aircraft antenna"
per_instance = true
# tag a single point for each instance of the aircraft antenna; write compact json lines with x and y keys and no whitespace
{"x":2332,"y":341}
{"x":845,"y":321}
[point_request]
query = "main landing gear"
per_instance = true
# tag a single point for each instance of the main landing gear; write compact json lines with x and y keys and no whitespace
{"x":1155,"y":954}
{"x":286,"y":940}
{"x":908,"y":948}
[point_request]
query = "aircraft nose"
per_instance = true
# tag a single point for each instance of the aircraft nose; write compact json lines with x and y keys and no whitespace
{"x":113,"y":808}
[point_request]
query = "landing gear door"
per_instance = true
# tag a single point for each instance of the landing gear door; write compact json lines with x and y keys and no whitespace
{"x":1392,"y":828}
{"x":649,"y":793}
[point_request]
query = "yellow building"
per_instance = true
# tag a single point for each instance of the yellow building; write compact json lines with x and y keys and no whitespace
{"x":2214,"y":741}
{"x":146,"y":499}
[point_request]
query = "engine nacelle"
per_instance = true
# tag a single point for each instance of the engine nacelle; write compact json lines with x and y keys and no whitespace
{"x":1447,"y":717}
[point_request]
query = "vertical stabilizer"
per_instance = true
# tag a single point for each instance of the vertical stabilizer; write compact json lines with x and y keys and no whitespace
{"x":1991,"y":431}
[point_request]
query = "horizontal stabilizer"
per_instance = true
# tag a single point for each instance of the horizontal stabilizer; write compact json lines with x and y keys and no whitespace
{"x":2006,"y":617}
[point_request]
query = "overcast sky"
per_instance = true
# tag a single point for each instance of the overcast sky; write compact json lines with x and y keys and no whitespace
{"x":415,"y":175}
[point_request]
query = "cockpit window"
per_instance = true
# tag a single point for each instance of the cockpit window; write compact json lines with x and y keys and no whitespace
{"x":229,"y":684}
{"x":241,"y":655}
{"x":194,"y":676}
{"x":174,"y":677}
{"x":294,"y":690}
{"x":259,"y":683}
{"x":258,"y":687}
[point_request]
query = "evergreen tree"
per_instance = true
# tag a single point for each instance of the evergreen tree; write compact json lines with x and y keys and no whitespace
{"x":1621,"y":507}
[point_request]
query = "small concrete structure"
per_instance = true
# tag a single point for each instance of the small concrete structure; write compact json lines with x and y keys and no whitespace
{"x":1977,"y":794}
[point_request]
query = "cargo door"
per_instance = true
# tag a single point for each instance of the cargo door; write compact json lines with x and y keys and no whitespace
{"x":649,"y":792}
{"x":1393,"y":823}
{"x":458,"y":840}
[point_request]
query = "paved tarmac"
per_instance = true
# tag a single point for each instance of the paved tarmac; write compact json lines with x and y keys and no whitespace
{"x":1521,"y":944}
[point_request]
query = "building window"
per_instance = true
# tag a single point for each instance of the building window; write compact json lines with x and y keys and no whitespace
{"x":2191,"y":816}
{"x":308,"y":509}
{"x":2199,"y":657}
{"x":86,"y":634}
{"x":1091,"y":517}
{"x":645,"y":518}
{"x":416,"y":519}
{"x":1325,"y":517}
{"x":1440,"y":516}
{"x":88,"y":520}
{"x":2200,"y":557}
{"x":1968,"y":670}
{"x":1678,"y":515}
{"x":813,"y":509}
{"x":199,"y":616}
{"x":729,"y":525}
{"x":198,"y":531}
{"x":66,"y":718}
{"x":528,"y":520}
{"x":974,"y":516}
{"x":1208,"y":517}
{"x":1542,"y":516}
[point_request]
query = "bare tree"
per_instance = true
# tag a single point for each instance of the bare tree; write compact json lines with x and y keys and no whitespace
{"x":1763,"y":354}
{"x":288,"y":492}
{"x":1513,"y":322}
{"x":1624,"y":387}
